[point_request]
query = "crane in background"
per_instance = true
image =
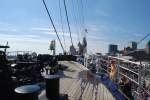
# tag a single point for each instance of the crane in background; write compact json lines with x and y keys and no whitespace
{"x":143,"y":39}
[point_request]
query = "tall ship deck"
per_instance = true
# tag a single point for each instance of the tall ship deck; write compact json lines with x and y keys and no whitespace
{"x":71,"y":83}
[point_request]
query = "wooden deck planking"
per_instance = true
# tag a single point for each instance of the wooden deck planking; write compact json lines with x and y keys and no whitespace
{"x":71,"y":85}
{"x":85,"y":91}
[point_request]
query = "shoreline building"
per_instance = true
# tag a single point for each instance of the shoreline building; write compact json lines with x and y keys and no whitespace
{"x":113,"y":49}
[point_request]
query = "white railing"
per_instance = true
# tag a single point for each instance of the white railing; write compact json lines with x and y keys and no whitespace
{"x":133,"y":71}
{"x":17,"y":52}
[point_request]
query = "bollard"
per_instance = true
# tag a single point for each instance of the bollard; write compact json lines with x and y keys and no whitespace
{"x":27,"y":92}
{"x":52,"y":87}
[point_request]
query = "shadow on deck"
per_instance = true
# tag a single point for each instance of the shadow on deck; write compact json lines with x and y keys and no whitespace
{"x":77,"y":88}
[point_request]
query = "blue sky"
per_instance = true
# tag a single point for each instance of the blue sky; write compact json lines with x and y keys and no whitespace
{"x":25,"y":24}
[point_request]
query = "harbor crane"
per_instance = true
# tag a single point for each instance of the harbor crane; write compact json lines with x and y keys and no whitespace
{"x":143,"y":39}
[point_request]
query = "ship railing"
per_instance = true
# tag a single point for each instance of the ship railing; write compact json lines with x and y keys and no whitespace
{"x":15,"y":53}
{"x":133,"y":71}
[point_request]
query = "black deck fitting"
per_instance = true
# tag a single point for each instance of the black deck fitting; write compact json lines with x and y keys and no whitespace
{"x":27,"y":92}
{"x":52,"y":87}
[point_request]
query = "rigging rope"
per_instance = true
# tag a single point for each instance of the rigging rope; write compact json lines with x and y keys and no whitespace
{"x":143,"y":38}
{"x":62,"y":25}
{"x":75,"y":19}
{"x":83,"y":18}
{"x":53,"y":25}
{"x":82,"y":10}
{"x":80,"y":17}
{"x":68,"y":21}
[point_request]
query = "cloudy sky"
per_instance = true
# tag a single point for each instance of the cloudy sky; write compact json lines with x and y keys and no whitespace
{"x":25,"y":24}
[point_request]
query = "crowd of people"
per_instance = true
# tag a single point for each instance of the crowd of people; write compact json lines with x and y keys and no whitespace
{"x":130,"y":72}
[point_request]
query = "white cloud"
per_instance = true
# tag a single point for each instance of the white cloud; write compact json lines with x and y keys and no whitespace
{"x":32,"y":36}
{"x":49,"y":31}
{"x":22,"y":38}
{"x":7,"y":29}
{"x":41,"y":29}
{"x":138,"y":35}
{"x":96,"y":37}
{"x":97,"y":32}
{"x":97,"y":46}
{"x":53,"y":33}
{"x":98,"y":28}
{"x":74,"y":35}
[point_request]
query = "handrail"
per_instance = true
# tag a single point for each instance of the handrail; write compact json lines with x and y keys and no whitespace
{"x":17,"y":51}
{"x":124,"y":60}
{"x":126,"y":65}
{"x":124,"y":94}
{"x":129,"y":78}
{"x":129,"y":70}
